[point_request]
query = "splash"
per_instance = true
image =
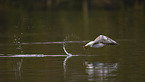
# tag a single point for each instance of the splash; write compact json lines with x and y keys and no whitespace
{"x":68,"y":54}
{"x":17,"y":42}
{"x":64,"y":42}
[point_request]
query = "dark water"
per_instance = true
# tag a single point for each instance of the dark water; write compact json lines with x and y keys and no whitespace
{"x":31,"y":45}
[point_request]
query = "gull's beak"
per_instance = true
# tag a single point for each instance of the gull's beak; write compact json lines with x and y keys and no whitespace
{"x":85,"y":47}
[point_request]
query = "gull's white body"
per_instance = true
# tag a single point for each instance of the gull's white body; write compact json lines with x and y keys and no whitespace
{"x":101,"y":41}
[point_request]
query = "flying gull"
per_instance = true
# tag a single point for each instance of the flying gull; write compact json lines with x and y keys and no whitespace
{"x":100,"y":41}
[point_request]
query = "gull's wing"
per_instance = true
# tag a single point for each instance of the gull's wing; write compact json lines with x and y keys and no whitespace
{"x":105,"y":40}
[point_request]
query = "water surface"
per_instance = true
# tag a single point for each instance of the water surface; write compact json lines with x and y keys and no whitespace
{"x":31,"y":44}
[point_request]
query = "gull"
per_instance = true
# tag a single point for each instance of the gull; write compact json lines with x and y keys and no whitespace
{"x":100,"y":41}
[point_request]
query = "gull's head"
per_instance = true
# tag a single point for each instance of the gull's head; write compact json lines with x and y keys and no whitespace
{"x":85,"y":47}
{"x":88,"y":45}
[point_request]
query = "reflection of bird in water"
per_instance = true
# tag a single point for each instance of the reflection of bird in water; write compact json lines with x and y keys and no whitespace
{"x":89,"y":65}
{"x":100,"y":41}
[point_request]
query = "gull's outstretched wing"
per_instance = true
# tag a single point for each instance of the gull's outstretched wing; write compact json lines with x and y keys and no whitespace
{"x":105,"y":40}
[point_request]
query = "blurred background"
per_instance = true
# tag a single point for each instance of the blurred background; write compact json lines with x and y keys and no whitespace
{"x":33,"y":26}
{"x":25,"y":21}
